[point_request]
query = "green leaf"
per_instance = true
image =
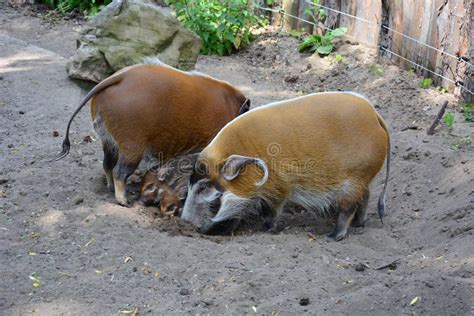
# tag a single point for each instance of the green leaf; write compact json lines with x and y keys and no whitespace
{"x":378,"y":70}
{"x":204,"y":36}
{"x":468,"y":112}
{"x":426,"y":83}
{"x":339,"y":31}
{"x":325,"y":50}
{"x":295,"y":33}
{"x":322,"y":14}
{"x":310,"y":41}
{"x":327,"y":38}
{"x":237,"y":42}
{"x":220,"y":48}
{"x":449,"y":119}
{"x":229,"y":36}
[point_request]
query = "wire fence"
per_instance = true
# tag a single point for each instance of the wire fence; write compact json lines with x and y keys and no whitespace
{"x":459,"y":59}
{"x":385,"y":49}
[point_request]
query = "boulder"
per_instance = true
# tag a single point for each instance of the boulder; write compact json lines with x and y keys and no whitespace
{"x":126,"y":32}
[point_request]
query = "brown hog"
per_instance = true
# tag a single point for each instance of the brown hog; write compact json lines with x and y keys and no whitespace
{"x":168,"y":185}
{"x":320,"y":151}
{"x":158,"y":110}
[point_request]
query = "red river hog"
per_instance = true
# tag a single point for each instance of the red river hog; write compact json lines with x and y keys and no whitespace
{"x":320,"y":151}
{"x":158,"y":110}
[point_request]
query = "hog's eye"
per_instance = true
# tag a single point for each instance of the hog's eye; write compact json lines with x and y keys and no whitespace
{"x":150,"y":187}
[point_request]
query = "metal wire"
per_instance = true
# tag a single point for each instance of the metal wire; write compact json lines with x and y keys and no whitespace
{"x":343,"y":13}
{"x":370,"y":44}
{"x":424,"y":68}
{"x":290,"y":15}
{"x":394,"y":31}
{"x":429,"y":46}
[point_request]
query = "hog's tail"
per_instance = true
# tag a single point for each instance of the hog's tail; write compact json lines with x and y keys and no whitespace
{"x":381,"y":202}
{"x":112,"y":80}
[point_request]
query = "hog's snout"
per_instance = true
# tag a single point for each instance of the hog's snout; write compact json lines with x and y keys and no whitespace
{"x":146,"y":202}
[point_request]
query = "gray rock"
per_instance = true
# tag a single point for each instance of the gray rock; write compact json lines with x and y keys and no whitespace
{"x":126,"y":32}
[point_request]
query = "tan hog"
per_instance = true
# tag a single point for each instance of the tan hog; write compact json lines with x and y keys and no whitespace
{"x":320,"y":151}
{"x":158,"y":110}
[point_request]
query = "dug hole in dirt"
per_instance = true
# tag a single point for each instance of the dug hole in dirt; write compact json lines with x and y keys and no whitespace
{"x":67,"y":248}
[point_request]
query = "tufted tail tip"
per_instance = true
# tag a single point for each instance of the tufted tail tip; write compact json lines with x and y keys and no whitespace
{"x":65,"y":151}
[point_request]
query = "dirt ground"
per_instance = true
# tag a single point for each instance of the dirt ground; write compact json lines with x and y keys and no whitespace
{"x":67,"y":248}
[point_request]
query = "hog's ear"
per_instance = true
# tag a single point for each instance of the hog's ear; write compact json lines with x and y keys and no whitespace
{"x":244,"y":107}
{"x":235,"y":163}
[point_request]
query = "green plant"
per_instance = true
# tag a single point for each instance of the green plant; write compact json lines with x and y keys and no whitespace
{"x":296,"y":34}
{"x":375,"y":69}
{"x":442,"y":89}
{"x":426,"y":83}
{"x":322,"y":44}
{"x":448,"y":119}
{"x":338,"y":58}
{"x":468,"y":112}
{"x":317,"y":13}
{"x":223,"y":25}
{"x":90,"y":7}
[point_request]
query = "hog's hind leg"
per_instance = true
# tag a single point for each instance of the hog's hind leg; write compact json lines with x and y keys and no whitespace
{"x":122,"y":171}
{"x":347,"y":210}
{"x":360,"y":216}
{"x":110,"y":160}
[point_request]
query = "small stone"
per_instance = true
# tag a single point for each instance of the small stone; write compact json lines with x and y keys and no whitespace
{"x":291,"y":79}
{"x":360,"y":267}
{"x":184,"y":292}
{"x":88,"y":139}
{"x":78,"y":201}
{"x":304,"y":301}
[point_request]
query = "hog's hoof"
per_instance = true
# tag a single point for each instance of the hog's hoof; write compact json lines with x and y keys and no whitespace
{"x":336,"y":235}
{"x":110,"y":187}
{"x":358,"y":222}
{"x":122,"y":201}
{"x":277,"y":226}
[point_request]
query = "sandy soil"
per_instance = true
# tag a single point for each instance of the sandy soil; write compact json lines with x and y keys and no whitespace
{"x":66,"y":248}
